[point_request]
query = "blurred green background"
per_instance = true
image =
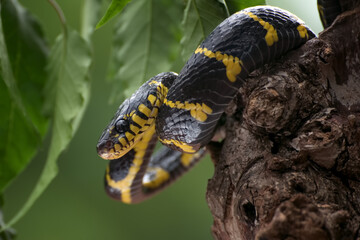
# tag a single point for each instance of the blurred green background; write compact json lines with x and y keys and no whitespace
{"x":75,"y":205}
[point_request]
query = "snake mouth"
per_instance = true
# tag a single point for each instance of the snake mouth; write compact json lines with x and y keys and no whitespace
{"x":111,"y":155}
{"x":109,"y":151}
{"x":105,"y":149}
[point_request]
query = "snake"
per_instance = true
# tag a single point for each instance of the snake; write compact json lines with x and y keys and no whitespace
{"x":182,"y":110}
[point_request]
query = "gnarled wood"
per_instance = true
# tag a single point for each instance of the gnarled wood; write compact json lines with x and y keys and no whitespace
{"x":289,"y":167}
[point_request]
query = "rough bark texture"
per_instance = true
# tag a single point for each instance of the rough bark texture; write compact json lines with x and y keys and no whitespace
{"x":289,"y":167}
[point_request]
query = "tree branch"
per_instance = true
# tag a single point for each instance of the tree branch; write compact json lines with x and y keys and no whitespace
{"x":290,"y":165}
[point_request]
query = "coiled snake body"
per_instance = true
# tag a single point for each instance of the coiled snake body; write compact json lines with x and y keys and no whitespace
{"x":182,"y":110}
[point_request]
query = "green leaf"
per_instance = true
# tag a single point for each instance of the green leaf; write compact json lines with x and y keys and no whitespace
{"x":145,"y":44}
{"x":22,"y":78}
{"x":90,"y":14}
{"x":115,"y":7}
{"x":200,"y":18}
{"x":237,"y":5}
{"x":67,"y":94}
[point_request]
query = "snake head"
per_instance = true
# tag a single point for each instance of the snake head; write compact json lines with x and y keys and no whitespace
{"x":125,"y":129}
{"x":113,"y":142}
{"x":134,"y":117}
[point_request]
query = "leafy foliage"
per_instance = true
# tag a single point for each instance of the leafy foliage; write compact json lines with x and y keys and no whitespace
{"x":115,"y":7}
{"x":67,"y":94}
{"x":90,"y":12}
{"x":24,"y":79}
{"x":23,"y":76}
{"x":200,"y":18}
{"x":143,"y":43}
{"x":147,"y":45}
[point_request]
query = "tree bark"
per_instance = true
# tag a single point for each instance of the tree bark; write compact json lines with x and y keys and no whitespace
{"x":289,"y":167}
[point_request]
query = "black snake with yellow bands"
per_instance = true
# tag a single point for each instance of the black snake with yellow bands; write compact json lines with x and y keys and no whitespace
{"x":182,"y":110}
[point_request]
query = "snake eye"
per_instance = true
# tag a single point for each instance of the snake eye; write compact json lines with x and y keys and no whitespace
{"x":122,"y":126}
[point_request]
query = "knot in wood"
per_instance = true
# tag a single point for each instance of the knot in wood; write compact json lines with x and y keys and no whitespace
{"x":264,"y":110}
